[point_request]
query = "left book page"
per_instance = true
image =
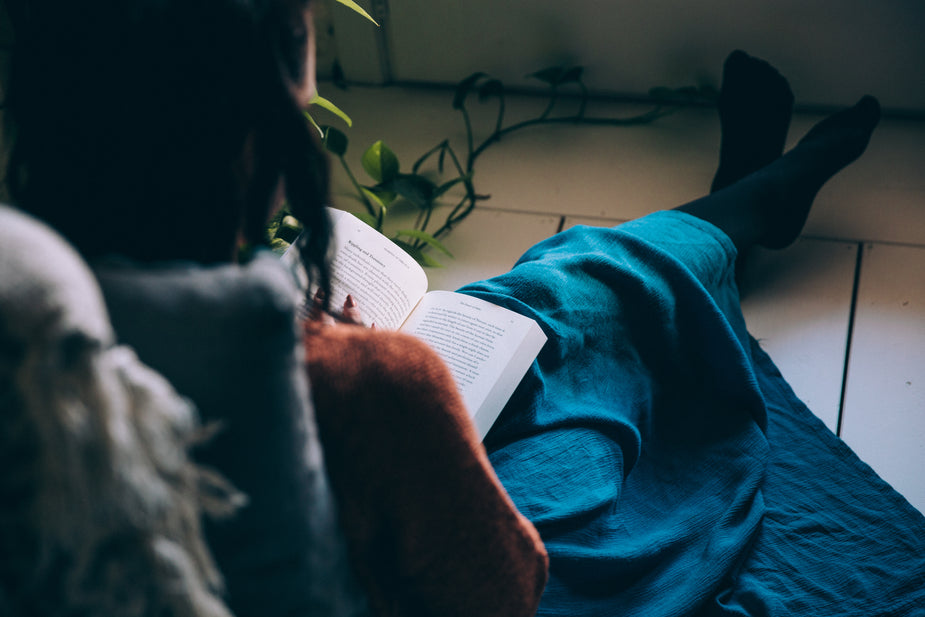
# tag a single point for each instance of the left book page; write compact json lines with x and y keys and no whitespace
{"x":386,"y":282}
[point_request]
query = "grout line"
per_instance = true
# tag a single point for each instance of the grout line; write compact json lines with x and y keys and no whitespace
{"x":618,"y":220}
{"x":852,"y":312}
{"x":863,"y":241}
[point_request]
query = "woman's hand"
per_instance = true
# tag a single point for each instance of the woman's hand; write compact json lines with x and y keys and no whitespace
{"x":349,"y":314}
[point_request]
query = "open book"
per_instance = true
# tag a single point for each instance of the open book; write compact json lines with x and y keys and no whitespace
{"x":487,"y":348}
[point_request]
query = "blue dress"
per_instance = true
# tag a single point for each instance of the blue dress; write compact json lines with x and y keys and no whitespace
{"x":665,"y":462}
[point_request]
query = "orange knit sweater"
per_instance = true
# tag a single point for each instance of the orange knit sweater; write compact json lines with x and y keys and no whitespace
{"x":431,"y":530}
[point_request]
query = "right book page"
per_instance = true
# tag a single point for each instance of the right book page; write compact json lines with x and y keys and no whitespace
{"x":488,"y":348}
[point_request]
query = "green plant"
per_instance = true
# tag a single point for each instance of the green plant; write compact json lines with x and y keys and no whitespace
{"x":440,"y":169}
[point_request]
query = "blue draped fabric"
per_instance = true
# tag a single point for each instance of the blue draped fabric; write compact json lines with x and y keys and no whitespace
{"x":668,"y":467}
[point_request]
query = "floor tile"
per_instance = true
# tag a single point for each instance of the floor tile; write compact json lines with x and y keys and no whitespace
{"x":488,"y":243}
{"x":797,"y":304}
{"x":571,"y":221}
{"x":881,"y":196}
{"x":884,"y":415}
{"x":613,"y":172}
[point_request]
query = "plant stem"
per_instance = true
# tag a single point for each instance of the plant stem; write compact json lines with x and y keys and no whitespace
{"x":359,"y":190}
{"x":553,"y":98}
{"x":470,"y":199}
{"x":578,"y":118}
{"x":427,"y":212}
{"x":417,"y":164}
{"x":469,"y":137}
{"x":471,"y":196}
{"x":584,"y":99}
{"x":456,"y":215}
{"x":501,"y":107}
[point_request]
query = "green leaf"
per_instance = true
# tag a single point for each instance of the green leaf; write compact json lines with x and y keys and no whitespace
{"x":324,"y":103}
{"x":290,"y":221}
{"x":572,"y":74}
{"x":279,"y":246}
{"x":418,"y":255}
{"x":314,"y":124}
{"x":288,"y":229}
{"x":380,"y":163}
{"x":335,"y":141}
{"x":425,"y":237}
{"x":356,"y":7}
{"x":416,"y":189}
{"x":463,"y":88}
{"x":367,"y":218}
{"x":549,"y":75}
{"x":375,"y":199}
{"x":383,"y":195}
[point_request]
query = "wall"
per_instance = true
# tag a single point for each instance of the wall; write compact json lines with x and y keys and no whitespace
{"x":833,"y":51}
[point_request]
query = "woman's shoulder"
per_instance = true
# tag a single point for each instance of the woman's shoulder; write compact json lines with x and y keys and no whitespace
{"x":219,"y":291}
{"x":357,"y":349}
{"x":351,"y":366}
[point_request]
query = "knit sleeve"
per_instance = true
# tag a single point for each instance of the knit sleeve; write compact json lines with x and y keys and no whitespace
{"x":430,"y":528}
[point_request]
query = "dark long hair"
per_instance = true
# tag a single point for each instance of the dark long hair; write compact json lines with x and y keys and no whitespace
{"x":161,"y":129}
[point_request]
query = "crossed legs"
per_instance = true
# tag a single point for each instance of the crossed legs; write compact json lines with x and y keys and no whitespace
{"x":761,"y":196}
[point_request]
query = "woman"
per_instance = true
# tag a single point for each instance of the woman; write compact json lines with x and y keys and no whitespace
{"x":183,"y":124}
{"x":639,"y":445}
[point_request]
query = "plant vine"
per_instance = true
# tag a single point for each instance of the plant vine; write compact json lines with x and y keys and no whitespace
{"x":441,"y":168}
{"x":418,"y":188}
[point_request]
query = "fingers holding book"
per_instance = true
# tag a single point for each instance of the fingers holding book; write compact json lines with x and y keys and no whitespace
{"x":348,"y":314}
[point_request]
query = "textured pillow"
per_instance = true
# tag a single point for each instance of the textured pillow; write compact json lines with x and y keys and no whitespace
{"x":226,"y":337}
{"x":99,"y":504}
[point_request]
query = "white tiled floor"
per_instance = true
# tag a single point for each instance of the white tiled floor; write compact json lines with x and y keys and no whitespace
{"x":850,"y":293}
{"x":884,"y":412}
